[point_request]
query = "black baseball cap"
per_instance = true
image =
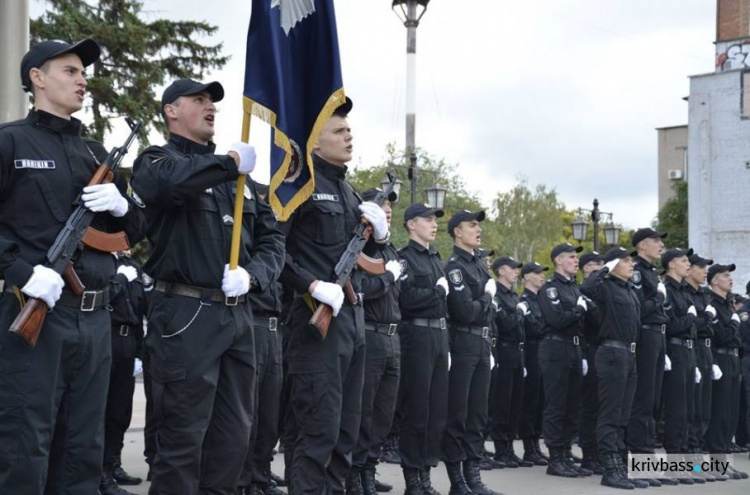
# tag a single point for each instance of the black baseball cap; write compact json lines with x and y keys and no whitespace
{"x":673,"y":253}
{"x":421,"y":210}
{"x":618,"y":253}
{"x":87,"y":50}
{"x":344,"y":109}
{"x":747,"y":288}
{"x":565,"y":247}
{"x":505,"y":261}
{"x":702,"y":262}
{"x":646,"y":233}
{"x":187,"y":87}
{"x":464,"y":216}
{"x":485,"y":253}
{"x":588,"y":257}
{"x":533,"y":267}
{"x":369,"y":194}
{"x":738,"y":298}
{"x":717,"y":268}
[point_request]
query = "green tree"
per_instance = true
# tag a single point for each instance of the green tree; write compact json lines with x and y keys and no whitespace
{"x":137,"y":56}
{"x":673,"y":217}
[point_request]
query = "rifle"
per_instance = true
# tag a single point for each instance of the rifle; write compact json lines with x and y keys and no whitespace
{"x":350,"y":258}
{"x":75,"y":234}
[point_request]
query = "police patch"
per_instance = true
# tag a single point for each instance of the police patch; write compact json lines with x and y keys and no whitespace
{"x":403,"y":264}
{"x":325,"y":197}
{"x":35,"y":164}
{"x":551,"y":292}
{"x":228,"y":219}
{"x":136,"y":199}
{"x":456,"y":276}
{"x":744,"y":316}
{"x":636,"y":277}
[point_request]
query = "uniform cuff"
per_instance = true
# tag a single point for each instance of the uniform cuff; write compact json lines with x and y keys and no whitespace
{"x":18,"y":273}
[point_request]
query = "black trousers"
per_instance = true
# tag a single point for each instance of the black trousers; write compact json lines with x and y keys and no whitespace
{"x":507,"y":393}
{"x":725,"y":405}
{"x":702,"y":396}
{"x":287,"y":426}
{"x":268,"y":377}
{"x":679,"y":398}
{"x":379,"y":393}
{"x":424,"y":398}
{"x":617,"y":382}
{"x":745,"y":368}
{"x":120,"y":397}
{"x":203,"y":370}
{"x":52,"y":402}
{"x":326,"y":397}
{"x":530,"y":425}
{"x":562,"y":376}
{"x":152,"y":422}
{"x":641,"y":433}
{"x":589,"y":404}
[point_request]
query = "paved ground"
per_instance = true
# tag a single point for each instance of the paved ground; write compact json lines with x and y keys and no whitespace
{"x":526,"y":481}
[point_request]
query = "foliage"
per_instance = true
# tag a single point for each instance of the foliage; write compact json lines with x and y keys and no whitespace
{"x":673,"y":217}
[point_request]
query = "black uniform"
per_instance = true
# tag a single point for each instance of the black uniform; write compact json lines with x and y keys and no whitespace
{"x":704,"y":360}
{"x":744,"y":313}
{"x":679,"y":383}
{"x":649,"y":358}
{"x":590,"y":384}
{"x":424,"y":354}
{"x":200,"y":343}
{"x":326,"y":376}
{"x":60,"y":386}
{"x":470,"y":313}
{"x":530,"y":425}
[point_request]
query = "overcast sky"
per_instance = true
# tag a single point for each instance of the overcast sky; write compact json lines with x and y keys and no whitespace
{"x":565,"y":93}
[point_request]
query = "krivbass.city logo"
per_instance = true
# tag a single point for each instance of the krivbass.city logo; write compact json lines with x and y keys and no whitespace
{"x":677,"y":465}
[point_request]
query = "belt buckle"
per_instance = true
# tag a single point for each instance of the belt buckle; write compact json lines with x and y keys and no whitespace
{"x":708,"y":343}
{"x":689,"y":343}
{"x":663,"y":329}
{"x":493,"y":340}
{"x":231,"y":301}
{"x":576,"y":341}
{"x":632,"y":347}
{"x":520,"y":346}
{"x":124,"y":330}
{"x":273,"y":324}
{"x":442,"y":323}
{"x":88,"y":300}
{"x":485,"y":332}
{"x":392,"y":329}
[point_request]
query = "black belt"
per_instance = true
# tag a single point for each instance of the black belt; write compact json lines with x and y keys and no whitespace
{"x":201,"y":293}
{"x":427,"y":322}
{"x":89,"y":300}
{"x":575,"y":340}
{"x":683,"y":342}
{"x":655,"y":328}
{"x":386,"y":328}
{"x":504,"y":343}
{"x":122,"y":330}
{"x":627,"y":346}
{"x":269,"y":322}
{"x":732,"y":351}
{"x":483,"y":332}
{"x":706,"y":342}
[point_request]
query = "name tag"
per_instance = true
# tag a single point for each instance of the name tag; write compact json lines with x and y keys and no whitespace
{"x":35,"y":164}
{"x":325,"y":197}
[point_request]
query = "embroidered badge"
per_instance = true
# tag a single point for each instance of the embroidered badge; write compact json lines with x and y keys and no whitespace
{"x":403,"y":264}
{"x":743,"y":316}
{"x":455,"y":276}
{"x":35,"y":164}
{"x":228,"y":219}
{"x":136,"y":199}
{"x":636,"y":277}
{"x":325,"y":197}
{"x":551,"y":292}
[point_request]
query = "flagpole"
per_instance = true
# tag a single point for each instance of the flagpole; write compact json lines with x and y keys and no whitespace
{"x":239,"y":201}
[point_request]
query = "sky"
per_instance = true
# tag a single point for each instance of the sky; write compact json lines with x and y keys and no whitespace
{"x":566,"y":93}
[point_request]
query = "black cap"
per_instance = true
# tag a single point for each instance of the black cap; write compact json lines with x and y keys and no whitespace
{"x":565,"y":247}
{"x":187,"y":87}
{"x":747,"y":288}
{"x":485,"y":253}
{"x":464,"y":216}
{"x":673,"y":253}
{"x":533,"y":267}
{"x":588,"y":257}
{"x":641,"y":234}
{"x":421,"y":210}
{"x":738,"y":298}
{"x":344,"y":109}
{"x":505,"y":261}
{"x":87,"y":50}
{"x":618,"y":253}
{"x":702,"y":262}
{"x":369,"y":194}
{"x":717,"y":268}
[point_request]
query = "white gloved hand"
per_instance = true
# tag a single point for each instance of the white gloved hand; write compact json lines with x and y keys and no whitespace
{"x":585,"y":365}
{"x":692,"y":311}
{"x":246,"y":152}
{"x":44,"y":284}
{"x":711,"y":310}
{"x":662,"y":289}
{"x":582,"y":303}
{"x":137,"y":367}
{"x":395,"y":268}
{"x":235,"y":282}
{"x":129,"y":271}
{"x":490,"y":288}
{"x":610,"y":265}
{"x":442,"y":283}
{"x":735,"y":317}
{"x":105,"y":197}
{"x":525,"y":372}
{"x":330,"y":294}
{"x":698,"y":375}
{"x":492,"y":361}
{"x":667,"y":363}
{"x":376,"y":216}
{"x":523,"y":308}
{"x":716,"y":372}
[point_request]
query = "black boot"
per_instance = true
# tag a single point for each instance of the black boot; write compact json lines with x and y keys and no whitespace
{"x":474,"y":479}
{"x":591,"y":463}
{"x":390,"y":452}
{"x":368,"y":481}
{"x":568,"y":460}
{"x":501,"y":454}
{"x":458,"y":483}
{"x":122,"y":477}
{"x":424,"y":478}
{"x":413,"y":483}
{"x":612,"y":476}
{"x":530,"y":454}
{"x":511,"y":455}
{"x":538,"y":449}
{"x":354,"y":483}
{"x":557,"y":465}
{"x":108,"y":485}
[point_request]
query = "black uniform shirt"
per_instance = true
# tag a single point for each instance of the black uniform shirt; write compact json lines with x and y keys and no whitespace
{"x":559,"y":303}
{"x":509,"y":322}
{"x":726,"y":331}
{"x":532,"y":322}
{"x":268,"y":302}
{"x":680,"y":324}
{"x":592,"y":321}
{"x":127,"y":299}
{"x":699,"y":297}
{"x":468,"y":303}
{"x":189,"y":196}
{"x":420,"y":297}
{"x":44,"y":165}
{"x":618,"y":306}
{"x":744,"y":313}
{"x":646,"y":281}
{"x":381,"y":292}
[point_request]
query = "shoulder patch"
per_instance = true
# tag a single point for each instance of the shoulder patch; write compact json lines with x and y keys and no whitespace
{"x":551,"y":292}
{"x":744,"y":316}
{"x":402,"y":262}
{"x":455,"y":276}
{"x":136,"y":199}
{"x":636,"y":277}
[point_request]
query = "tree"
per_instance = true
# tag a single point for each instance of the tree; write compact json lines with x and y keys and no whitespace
{"x":673,"y":217}
{"x":137,"y":56}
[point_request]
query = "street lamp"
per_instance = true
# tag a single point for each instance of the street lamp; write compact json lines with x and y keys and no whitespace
{"x":396,"y":187}
{"x":435,"y":196}
{"x":580,"y":226}
{"x":612,"y":233}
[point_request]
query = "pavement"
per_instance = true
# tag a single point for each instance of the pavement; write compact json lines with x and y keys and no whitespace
{"x":522,"y":481}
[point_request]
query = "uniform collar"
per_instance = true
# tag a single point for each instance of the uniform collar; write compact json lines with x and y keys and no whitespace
{"x":673,"y":282}
{"x":57,"y":124}
{"x":190,"y":147}
{"x":645,"y":262}
{"x":329,"y":170}
{"x":529,"y":293}
{"x":464,"y":254}
{"x":719,"y":298}
{"x":415,"y":245}
{"x":563,"y":278}
{"x":503,"y":288}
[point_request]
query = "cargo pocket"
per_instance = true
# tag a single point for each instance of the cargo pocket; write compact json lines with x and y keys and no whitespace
{"x":12,"y":404}
{"x":170,"y":320}
{"x":329,"y":222}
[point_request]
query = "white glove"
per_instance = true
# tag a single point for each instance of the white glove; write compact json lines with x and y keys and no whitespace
{"x":582,"y":303}
{"x":698,"y":375}
{"x":442,"y":283}
{"x":525,"y":373}
{"x":376,"y":216}
{"x":735,"y":317}
{"x":44,"y":284}
{"x":137,"y":367}
{"x":611,"y":264}
{"x":711,"y":310}
{"x":105,"y":197}
{"x":667,"y":363}
{"x":235,"y":282}
{"x":330,"y":294}
{"x":662,"y":289}
{"x":585,"y":365}
{"x":691,"y":311}
{"x":246,"y":152}
{"x":129,"y":271}
{"x":523,"y":308}
{"x":490,"y":288}
{"x":395,"y":268}
{"x":716,"y":372}
{"x":492,"y":361}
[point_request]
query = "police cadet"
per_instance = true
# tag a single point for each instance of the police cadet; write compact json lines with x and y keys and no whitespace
{"x":530,"y":425}
{"x":128,"y":303}
{"x":507,"y":392}
{"x":57,"y":389}
{"x":619,"y":310}
{"x":380,"y":295}
{"x":726,"y":343}
{"x":470,"y":312}
{"x":424,"y":349}
{"x":744,"y":314}
{"x":560,"y":358}
{"x":200,"y":336}
{"x":326,"y":375}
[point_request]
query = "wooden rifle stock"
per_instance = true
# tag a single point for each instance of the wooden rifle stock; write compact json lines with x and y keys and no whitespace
{"x":28,"y":323}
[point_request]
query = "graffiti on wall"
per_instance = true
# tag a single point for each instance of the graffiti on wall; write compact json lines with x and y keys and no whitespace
{"x":736,"y":56}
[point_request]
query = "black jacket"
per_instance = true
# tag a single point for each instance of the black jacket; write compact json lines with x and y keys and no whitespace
{"x":680,"y":324}
{"x":509,"y":322}
{"x":558,"y":299}
{"x":646,"y":281}
{"x":726,"y":331}
{"x":532,"y":322}
{"x":618,"y":306}
{"x":381,"y":292}
{"x":468,"y":303}
{"x":420,"y":297}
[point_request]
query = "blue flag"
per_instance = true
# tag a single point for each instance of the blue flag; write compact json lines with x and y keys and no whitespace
{"x":292,"y":81}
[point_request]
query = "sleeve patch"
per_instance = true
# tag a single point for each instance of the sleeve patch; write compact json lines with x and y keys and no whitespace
{"x":455,"y":276}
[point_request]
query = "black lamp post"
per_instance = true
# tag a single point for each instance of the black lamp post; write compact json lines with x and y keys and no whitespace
{"x":580,"y":226}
